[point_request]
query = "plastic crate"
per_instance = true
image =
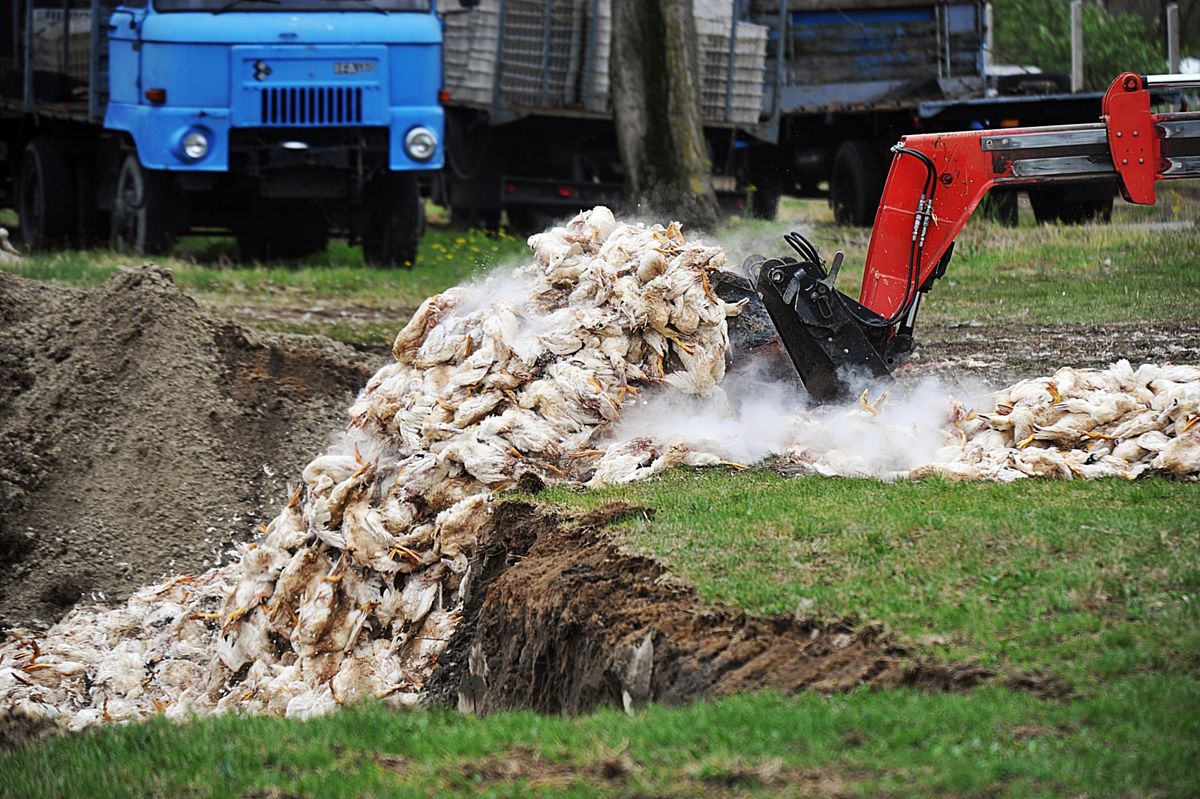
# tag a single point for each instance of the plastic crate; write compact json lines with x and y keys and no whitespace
{"x":470,"y":54}
{"x":48,"y":32}
{"x":554,"y":55}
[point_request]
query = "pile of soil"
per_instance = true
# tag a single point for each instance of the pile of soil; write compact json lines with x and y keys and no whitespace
{"x":558,"y":619}
{"x":140,"y":436}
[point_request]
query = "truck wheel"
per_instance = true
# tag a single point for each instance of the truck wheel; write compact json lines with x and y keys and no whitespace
{"x":47,"y":201}
{"x":1000,"y":206}
{"x":526,"y":220}
{"x":768,"y":173}
{"x":471,"y":219}
{"x":93,"y":224}
{"x":855,"y":185}
{"x":144,"y":214}
{"x":396,"y":220}
{"x":1072,"y":205}
{"x":1046,"y":203}
{"x":764,"y":203}
{"x":1086,"y":203}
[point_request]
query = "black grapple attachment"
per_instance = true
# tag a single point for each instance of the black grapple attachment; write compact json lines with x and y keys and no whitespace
{"x":831,"y":339}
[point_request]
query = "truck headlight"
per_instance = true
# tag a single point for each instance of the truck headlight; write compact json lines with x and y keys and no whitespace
{"x":420,"y":144}
{"x":195,"y":144}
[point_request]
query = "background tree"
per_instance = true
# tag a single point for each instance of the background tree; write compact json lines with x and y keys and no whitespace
{"x":656,"y":104}
{"x":1118,"y":36}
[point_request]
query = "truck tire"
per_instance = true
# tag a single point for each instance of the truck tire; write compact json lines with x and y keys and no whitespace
{"x":855,"y":185}
{"x":526,"y":220}
{"x":1086,"y":202}
{"x":1071,"y":205}
{"x":396,"y":220}
{"x":93,"y":223}
{"x":768,"y":173}
{"x":47,"y":199}
{"x":764,"y":203}
{"x":1045,"y":202}
{"x":145,"y":210}
{"x":1000,"y":206}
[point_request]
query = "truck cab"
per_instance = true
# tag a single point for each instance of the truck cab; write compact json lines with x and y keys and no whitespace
{"x":279,"y":120}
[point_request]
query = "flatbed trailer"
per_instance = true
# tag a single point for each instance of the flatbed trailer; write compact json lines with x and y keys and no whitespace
{"x":799,"y":98}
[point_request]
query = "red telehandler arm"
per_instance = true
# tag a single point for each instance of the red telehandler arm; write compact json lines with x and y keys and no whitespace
{"x":935,"y":183}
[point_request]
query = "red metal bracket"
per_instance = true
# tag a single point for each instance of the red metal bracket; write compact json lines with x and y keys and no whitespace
{"x":1131,"y":137}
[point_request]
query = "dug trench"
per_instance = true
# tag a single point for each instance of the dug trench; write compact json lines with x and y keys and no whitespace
{"x":560,"y":619}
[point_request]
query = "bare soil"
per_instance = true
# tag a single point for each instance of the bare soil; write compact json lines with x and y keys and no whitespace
{"x":282,"y":313}
{"x":140,"y":436}
{"x":1004,"y":354}
{"x":523,"y":767}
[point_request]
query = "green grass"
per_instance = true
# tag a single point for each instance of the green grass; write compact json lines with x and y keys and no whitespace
{"x":1027,"y":275}
{"x":1088,"y":274}
{"x":206,"y":269}
{"x":1081,"y":581}
{"x":990,"y":742}
{"x":1092,"y":585}
{"x":1076,"y":275}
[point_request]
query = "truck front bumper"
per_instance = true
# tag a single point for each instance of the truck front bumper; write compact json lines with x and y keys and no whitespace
{"x":158,"y":133}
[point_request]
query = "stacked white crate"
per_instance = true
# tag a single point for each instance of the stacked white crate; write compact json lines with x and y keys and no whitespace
{"x":470,"y":51}
{"x":540,"y":53}
{"x":599,"y":46}
{"x":714,"y":23}
{"x":741,"y":90}
{"x":48,"y":32}
{"x":561,"y":59}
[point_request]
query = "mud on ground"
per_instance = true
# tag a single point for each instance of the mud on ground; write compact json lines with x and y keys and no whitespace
{"x":141,"y":436}
{"x":1001,"y":354}
{"x":995,"y":354}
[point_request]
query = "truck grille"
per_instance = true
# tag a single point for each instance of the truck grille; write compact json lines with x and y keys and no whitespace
{"x":311,"y":105}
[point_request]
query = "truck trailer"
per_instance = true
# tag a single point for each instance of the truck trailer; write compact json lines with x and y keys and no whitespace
{"x":282,"y":121}
{"x":799,"y":98}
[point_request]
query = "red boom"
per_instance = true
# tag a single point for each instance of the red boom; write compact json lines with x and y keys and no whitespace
{"x":968,"y":164}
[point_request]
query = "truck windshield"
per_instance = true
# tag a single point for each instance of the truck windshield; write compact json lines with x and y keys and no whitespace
{"x":294,"y":5}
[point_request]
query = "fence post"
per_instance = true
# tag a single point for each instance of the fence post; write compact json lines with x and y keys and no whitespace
{"x":1076,"y":45}
{"x":1173,"y":38}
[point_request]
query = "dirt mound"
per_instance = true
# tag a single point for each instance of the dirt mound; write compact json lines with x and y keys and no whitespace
{"x":140,"y":436}
{"x":559,"y":620}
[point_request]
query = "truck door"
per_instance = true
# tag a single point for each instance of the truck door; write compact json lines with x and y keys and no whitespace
{"x":125,"y":52}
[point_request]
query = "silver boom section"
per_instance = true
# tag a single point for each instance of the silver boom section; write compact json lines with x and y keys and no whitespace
{"x":1049,"y":153}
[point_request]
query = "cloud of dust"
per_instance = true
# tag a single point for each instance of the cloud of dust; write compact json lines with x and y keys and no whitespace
{"x":757,"y":412}
{"x":758,"y":415}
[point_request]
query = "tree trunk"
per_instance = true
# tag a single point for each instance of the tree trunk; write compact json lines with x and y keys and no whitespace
{"x":656,"y":105}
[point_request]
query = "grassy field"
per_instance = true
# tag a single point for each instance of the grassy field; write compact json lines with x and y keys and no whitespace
{"x":1141,"y":268}
{"x":1090,"y":593}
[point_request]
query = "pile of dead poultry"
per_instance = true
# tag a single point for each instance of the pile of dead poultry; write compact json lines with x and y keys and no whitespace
{"x":354,"y":589}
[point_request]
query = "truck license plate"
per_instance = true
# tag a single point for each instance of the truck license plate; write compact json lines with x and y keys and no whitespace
{"x":353,"y":67}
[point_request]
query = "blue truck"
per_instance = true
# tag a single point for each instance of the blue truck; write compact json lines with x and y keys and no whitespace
{"x":283,"y":121}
